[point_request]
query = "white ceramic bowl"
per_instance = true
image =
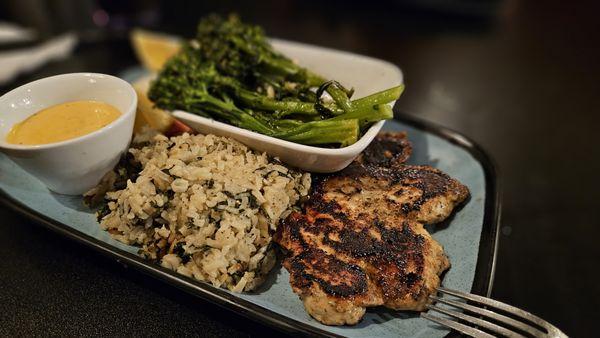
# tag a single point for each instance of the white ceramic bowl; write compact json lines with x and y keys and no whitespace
{"x":76,"y":165}
{"x":367,"y":75}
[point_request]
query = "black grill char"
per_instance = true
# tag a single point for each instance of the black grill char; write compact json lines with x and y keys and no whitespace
{"x":359,"y":240}
{"x":386,"y":150}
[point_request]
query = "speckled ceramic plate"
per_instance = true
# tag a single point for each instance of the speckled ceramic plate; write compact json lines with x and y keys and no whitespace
{"x":469,"y":239}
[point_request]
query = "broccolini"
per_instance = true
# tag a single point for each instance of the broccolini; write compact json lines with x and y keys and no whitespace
{"x":230,"y":72}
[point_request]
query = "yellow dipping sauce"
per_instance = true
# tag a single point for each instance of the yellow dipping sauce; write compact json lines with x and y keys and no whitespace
{"x":62,"y":122}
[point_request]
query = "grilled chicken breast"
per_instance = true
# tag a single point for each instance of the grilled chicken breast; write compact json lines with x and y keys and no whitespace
{"x":359,"y":240}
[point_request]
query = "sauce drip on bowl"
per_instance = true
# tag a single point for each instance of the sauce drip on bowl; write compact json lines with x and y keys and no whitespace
{"x":63,"y":122}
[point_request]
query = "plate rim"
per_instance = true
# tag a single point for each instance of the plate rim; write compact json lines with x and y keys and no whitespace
{"x":484,"y":269}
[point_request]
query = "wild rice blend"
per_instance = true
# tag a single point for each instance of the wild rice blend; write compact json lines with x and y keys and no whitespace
{"x":202,"y":205}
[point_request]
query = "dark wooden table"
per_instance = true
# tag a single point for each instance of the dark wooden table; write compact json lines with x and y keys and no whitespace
{"x":524,"y":84}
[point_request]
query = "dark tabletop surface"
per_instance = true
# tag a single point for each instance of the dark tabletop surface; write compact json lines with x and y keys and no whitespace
{"x":521,"y":80}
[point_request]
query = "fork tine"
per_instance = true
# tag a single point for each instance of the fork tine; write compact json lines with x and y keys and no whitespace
{"x":473,"y":332}
{"x":490,"y":314}
{"x":552,"y":330}
{"x":476,"y":321}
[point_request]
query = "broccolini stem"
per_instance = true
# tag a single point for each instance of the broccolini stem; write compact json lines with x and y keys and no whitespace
{"x":228,"y":111}
{"x":287,"y":123}
{"x":257,"y":101}
{"x":343,"y":132}
{"x":375,"y":113}
{"x":280,"y":66}
{"x":384,"y":96}
{"x":340,"y":98}
{"x":331,"y":107}
{"x":371,"y":108}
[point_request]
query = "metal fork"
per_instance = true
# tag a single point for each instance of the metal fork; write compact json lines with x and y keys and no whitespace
{"x":481,"y":308}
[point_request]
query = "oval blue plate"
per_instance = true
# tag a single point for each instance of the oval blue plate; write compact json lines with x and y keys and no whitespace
{"x":469,"y":238}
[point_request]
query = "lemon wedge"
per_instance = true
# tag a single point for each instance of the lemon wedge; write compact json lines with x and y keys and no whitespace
{"x":154,"y":49}
{"x":155,"y":118}
{"x":147,"y":113}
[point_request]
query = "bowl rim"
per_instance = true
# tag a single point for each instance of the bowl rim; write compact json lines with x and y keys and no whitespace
{"x":131,"y":109}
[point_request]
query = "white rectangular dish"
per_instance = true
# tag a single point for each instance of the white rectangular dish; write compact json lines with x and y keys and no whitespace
{"x":365,"y":74}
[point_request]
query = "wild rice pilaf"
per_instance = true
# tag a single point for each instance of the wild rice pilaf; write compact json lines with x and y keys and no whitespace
{"x":202,"y":205}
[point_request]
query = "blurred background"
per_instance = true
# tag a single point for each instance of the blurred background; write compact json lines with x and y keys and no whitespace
{"x":518,"y":77}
